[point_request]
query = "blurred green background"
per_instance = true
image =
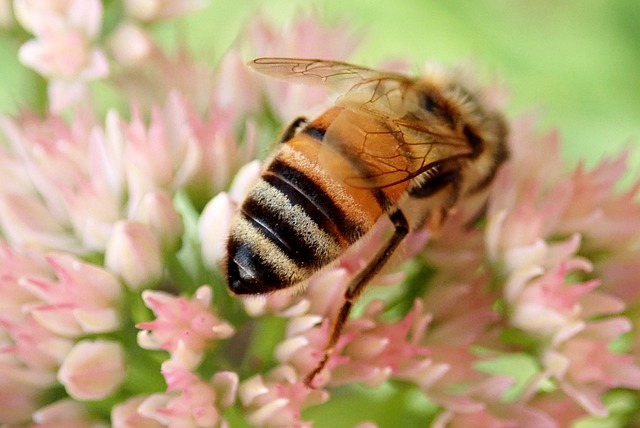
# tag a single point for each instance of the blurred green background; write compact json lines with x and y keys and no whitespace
{"x":575,"y":62}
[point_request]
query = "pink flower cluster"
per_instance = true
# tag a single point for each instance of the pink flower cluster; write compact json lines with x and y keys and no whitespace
{"x":110,"y":226}
{"x":544,"y":229}
{"x":64,"y":49}
{"x":50,"y":304}
{"x":183,"y":327}
{"x":67,"y":48}
{"x":535,"y":270}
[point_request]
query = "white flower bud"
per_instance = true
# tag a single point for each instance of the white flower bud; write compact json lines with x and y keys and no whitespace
{"x":93,"y":369}
{"x":133,"y":252}
{"x":157,"y":212}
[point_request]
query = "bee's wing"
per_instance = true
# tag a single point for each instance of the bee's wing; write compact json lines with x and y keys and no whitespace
{"x":373,"y":126}
{"x":336,"y":74}
{"x":389,"y":150}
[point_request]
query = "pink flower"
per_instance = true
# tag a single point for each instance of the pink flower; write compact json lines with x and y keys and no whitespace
{"x":176,"y":152}
{"x":303,"y":346}
{"x":183,"y":327}
{"x":586,"y":368}
{"x":157,"y":212}
{"x":36,"y":351}
{"x":180,"y":149}
{"x":59,"y":298}
{"x":619,"y":274}
{"x":126,"y":415}
{"x":83,"y":300}
{"x":607,"y":217}
{"x":458,"y":253}
{"x":17,"y":400}
{"x":561,"y":408}
{"x":278,"y":398}
{"x":14,"y":265}
{"x":63,"y":50}
{"x":63,"y":414}
{"x":369,"y":351}
{"x":219,"y":100}
{"x":63,"y":172}
{"x":379,"y":351}
{"x":223,"y":153}
{"x":493,"y":412}
{"x":198,"y":403}
{"x":309,"y":37}
{"x":463,"y":318}
{"x":130,"y":45}
{"x":463,"y":313}
{"x":133,"y":253}
{"x":548,"y":306}
{"x":21,"y":385}
{"x":543,"y":300}
{"x":152,"y":10}
{"x":68,"y":185}
{"x":29,"y":353}
{"x":93,"y":369}
{"x":236,"y":89}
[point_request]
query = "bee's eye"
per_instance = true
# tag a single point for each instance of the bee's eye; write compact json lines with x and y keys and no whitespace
{"x":435,"y":105}
{"x":429,"y":103}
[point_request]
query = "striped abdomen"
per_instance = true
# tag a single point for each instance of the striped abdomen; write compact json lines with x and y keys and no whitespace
{"x":300,"y":216}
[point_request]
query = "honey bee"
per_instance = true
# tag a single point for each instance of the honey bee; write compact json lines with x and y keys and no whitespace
{"x":406,"y":148}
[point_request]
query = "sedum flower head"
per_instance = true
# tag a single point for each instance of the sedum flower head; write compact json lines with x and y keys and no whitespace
{"x":183,"y":327}
{"x":111,"y":223}
{"x":63,"y":49}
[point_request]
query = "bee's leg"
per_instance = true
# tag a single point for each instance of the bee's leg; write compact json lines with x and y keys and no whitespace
{"x":447,"y":178}
{"x":293,"y":127}
{"x":440,"y":192}
{"x":451,"y":180}
{"x":358,"y":284}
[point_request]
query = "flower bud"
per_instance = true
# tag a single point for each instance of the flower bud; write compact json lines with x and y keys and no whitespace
{"x":62,"y":413}
{"x":92,"y":369}
{"x":126,"y":415}
{"x":213,"y":228}
{"x":133,"y":252}
{"x":144,"y":10}
{"x":129,"y":45}
{"x":156,"y":211}
{"x":27,"y":223}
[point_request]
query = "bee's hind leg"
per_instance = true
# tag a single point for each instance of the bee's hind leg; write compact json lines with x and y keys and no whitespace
{"x":357,"y":286}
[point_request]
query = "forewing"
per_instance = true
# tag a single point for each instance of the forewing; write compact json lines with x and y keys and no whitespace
{"x":338,"y":75}
{"x":389,"y":150}
{"x":373,"y":130}
{"x":362,"y":87}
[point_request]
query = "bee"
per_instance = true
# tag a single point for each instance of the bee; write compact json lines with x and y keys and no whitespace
{"x":406,"y":148}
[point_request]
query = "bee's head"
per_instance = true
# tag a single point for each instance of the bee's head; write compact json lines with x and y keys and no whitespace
{"x":453,"y":99}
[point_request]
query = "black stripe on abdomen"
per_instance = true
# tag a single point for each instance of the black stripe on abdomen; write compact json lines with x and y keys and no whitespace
{"x":302,"y":191}
{"x":248,"y":272}
{"x":282,"y":232}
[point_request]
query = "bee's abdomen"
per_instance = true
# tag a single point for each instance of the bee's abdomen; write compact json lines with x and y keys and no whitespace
{"x":287,"y":228}
{"x":298,"y":218}
{"x":301,"y":190}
